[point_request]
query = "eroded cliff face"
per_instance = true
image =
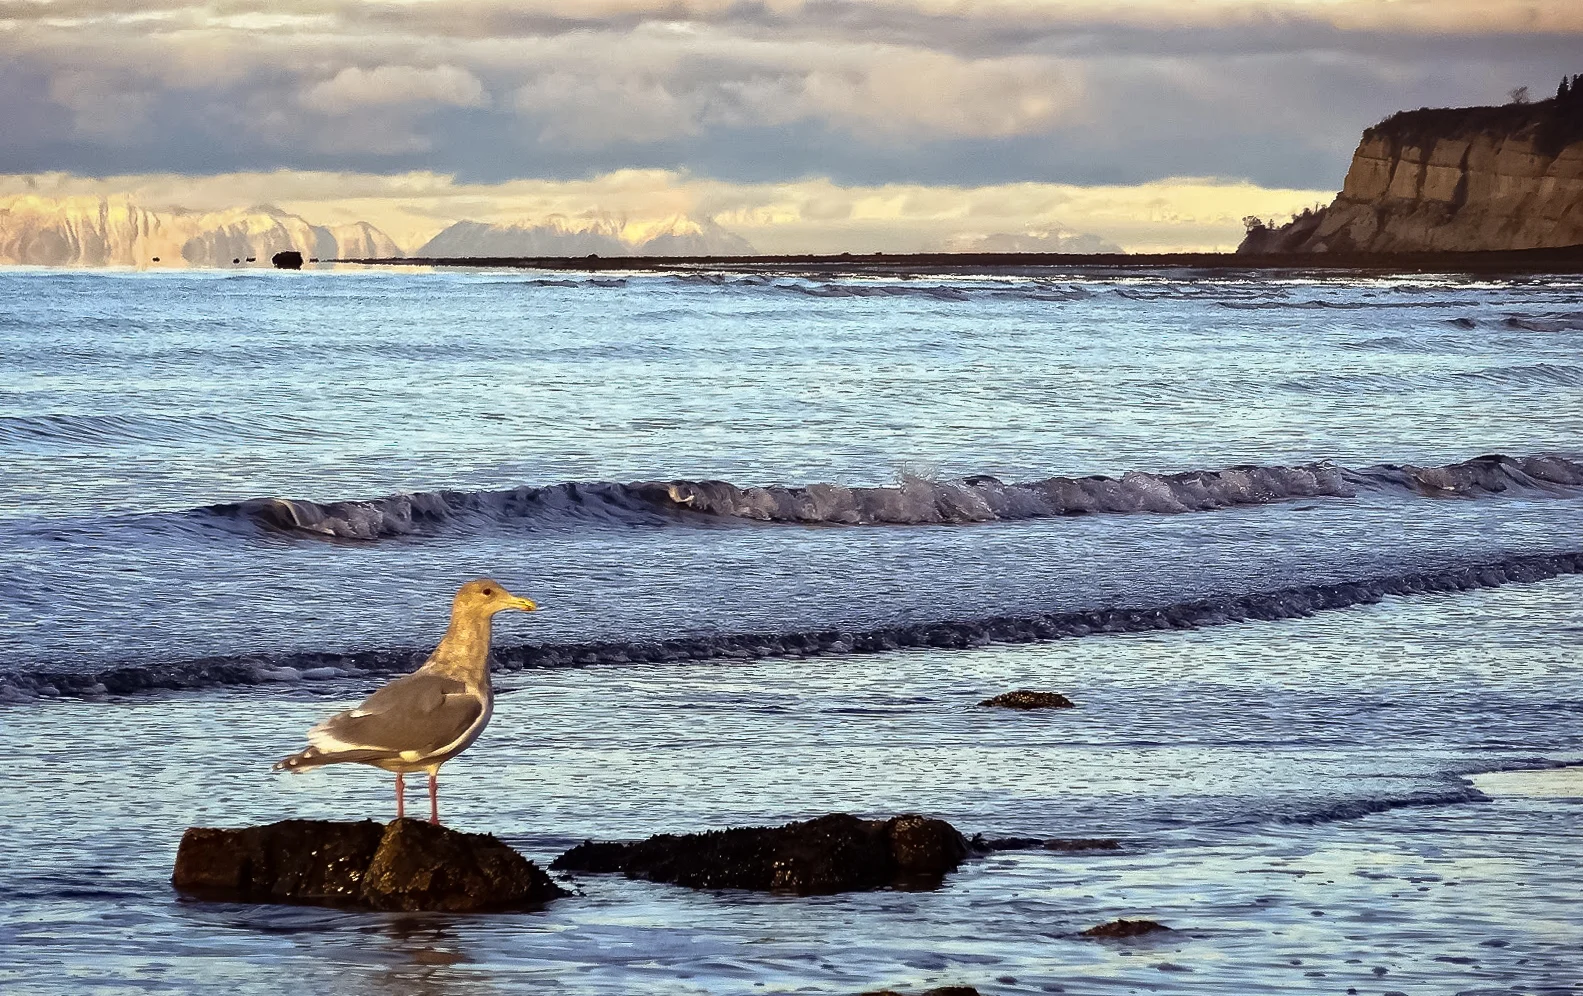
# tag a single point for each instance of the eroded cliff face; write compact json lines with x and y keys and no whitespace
{"x":1458,"y":180}
{"x":115,"y":231}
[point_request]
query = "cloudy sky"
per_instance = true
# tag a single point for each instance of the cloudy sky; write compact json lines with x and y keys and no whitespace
{"x":1156,"y":118}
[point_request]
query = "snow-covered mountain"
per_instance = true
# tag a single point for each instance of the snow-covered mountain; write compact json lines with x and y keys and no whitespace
{"x":597,"y":234}
{"x":116,"y":231}
{"x":360,"y":240}
{"x":1047,"y":240}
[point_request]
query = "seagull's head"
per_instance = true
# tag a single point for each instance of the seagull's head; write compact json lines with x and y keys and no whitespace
{"x":486,"y":597}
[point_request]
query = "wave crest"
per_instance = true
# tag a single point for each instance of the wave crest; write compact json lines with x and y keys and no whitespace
{"x":915,"y":501}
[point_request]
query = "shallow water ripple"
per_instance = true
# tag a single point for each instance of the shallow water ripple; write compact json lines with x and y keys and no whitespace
{"x":1291,"y":797}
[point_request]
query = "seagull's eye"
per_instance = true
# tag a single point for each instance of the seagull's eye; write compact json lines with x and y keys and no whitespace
{"x":488,"y":592}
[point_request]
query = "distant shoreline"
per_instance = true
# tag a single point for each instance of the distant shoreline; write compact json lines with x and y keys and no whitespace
{"x":1507,"y":262}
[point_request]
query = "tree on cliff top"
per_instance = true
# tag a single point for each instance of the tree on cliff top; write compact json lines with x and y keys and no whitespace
{"x":1553,"y":123}
{"x":1569,"y":95}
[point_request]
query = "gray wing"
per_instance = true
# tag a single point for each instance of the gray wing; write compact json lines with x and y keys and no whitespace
{"x":419,"y":712}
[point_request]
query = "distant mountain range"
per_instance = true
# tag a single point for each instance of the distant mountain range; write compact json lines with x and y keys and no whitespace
{"x":115,"y":231}
{"x":597,"y":234}
{"x":1048,"y":240}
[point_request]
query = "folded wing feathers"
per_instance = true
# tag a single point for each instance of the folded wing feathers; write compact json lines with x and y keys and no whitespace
{"x":420,"y":713}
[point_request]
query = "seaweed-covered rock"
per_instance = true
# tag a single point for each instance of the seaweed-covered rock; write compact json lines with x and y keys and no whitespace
{"x":1024,"y":699}
{"x":404,"y":865}
{"x":1124,"y":929}
{"x":835,"y":853}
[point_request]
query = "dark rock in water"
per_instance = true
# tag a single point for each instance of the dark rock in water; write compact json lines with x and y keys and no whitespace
{"x":420,"y":866}
{"x":835,"y":853}
{"x":303,"y":861}
{"x":1124,"y":928}
{"x":1025,"y":699}
{"x":981,"y":843}
{"x":404,"y":865}
{"x":238,"y":259}
{"x":291,"y":259}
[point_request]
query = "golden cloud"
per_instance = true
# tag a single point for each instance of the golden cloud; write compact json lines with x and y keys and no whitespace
{"x":810,"y":215}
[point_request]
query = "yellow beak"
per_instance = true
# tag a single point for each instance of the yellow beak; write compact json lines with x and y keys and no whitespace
{"x":525,"y":604}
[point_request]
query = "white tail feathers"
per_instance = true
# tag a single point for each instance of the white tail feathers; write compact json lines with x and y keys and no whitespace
{"x":313,"y":757}
{"x":302,"y":760}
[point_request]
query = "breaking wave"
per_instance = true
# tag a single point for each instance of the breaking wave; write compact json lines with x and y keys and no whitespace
{"x":1282,"y":603}
{"x":914,"y":502}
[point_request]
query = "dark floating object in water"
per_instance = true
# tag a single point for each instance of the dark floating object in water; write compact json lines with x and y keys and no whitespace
{"x":1025,"y":699}
{"x":405,"y":865}
{"x":981,"y":843}
{"x":1124,"y":929}
{"x":288,"y":260}
{"x":156,"y":259}
{"x":835,"y":853}
{"x":252,"y":259}
{"x":237,"y":259}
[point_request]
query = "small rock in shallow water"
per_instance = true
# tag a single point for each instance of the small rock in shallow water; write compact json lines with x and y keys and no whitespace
{"x":406,"y":865}
{"x":1124,"y":928}
{"x":835,"y":853}
{"x":1024,"y":699}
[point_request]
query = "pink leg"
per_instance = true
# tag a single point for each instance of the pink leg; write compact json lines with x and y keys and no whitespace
{"x":434,"y":798}
{"x":401,"y":802}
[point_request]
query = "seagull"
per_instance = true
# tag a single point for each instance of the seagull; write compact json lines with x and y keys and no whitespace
{"x":421,"y":720}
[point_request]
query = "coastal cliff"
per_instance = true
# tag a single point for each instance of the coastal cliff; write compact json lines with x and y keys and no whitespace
{"x":1451,"y":180}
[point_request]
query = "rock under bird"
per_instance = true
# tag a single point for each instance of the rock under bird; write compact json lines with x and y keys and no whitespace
{"x":421,"y":720}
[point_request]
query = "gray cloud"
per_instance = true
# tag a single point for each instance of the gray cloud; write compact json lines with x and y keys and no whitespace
{"x":863,"y":92}
{"x":354,"y":89}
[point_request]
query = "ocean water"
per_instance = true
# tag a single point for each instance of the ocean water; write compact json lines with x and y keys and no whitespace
{"x":1292,"y":678}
